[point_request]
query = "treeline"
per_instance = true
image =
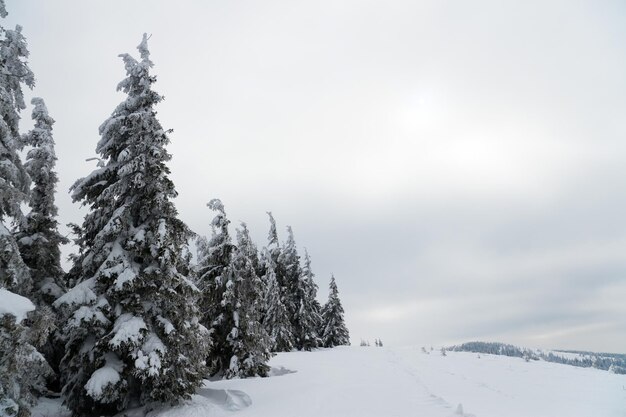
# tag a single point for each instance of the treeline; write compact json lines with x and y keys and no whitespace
{"x":615,"y":363}
{"x":134,"y":321}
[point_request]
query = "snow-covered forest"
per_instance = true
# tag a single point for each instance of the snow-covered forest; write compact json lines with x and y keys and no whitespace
{"x":135,"y":321}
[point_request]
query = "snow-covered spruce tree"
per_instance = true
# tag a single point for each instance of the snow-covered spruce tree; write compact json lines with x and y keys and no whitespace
{"x":299,"y":294}
{"x":231,"y":292}
{"x":276,"y":320}
{"x":250,"y":343}
{"x":214,"y":278}
{"x":38,"y":237}
{"x":334,"y":332}
{"x":273,"y":246}
{"x":307,"y":316}
{"x":133,"y":336}
{"x":289,"y":273}
{"x":22,"y":368}
{"x":282,"y":268}
{"x":14,"y":180}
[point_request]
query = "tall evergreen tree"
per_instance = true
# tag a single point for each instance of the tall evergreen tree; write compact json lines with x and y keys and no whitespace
{"x":133,"y":336}
{"x":334,"y":330}
{"x":307,"y":318}
{"x":14,"y":180}
{"x":249,"y":341}
{"x":231,"y":301}
{"x":289,"y":273}
{"x":22,"y":368}
{"x":273,"y":251}
{"x":276,"y":320}
{"x":38,"y":238}
{"x":281,"y":263}
{"x":215,"y":280}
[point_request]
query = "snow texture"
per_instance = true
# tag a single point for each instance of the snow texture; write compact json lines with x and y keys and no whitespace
{"x":402,"y":382}
{"x":108,"y":375}
{"x":11,"y":303}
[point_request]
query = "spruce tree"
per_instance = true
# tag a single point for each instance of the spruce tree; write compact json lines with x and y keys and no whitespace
{"x":276,"y":320}
{"x":133,"y":335}
{"x":23,"y":370}
{"x":215,"y":280}
{"x":308,"y":316}
{"x":38,"y":238}
{"x":214,"y":274}
{"x":289,"y":274}
{"x":299,"y":291}
{"x":249,"y":341}
{"x":231,"y":303}
{"x":14,"y":179}
{"x":334,"y":331}
{"x":280,"y":264}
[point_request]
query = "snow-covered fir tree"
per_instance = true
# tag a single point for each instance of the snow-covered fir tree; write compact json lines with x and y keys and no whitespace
{"x":214,"y":279}
{"x":289,"y":273}
{"x":14,"y":183}
{"x":250,"y":343}
{"x":273,"y":250}
{"x":334,"y":330}
{"x":133,"y":336}
{"x":38,"y":237}
{"x":276,"y":320}
{"x":281,"y":263}
{"x":231,"y":301}
{"x":23,"y":370}
{"x":308,"y":315}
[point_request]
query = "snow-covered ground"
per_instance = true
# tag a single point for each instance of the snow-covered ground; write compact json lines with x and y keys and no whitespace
{"x":387,"y":382}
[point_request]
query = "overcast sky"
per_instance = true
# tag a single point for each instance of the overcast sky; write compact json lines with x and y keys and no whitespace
{"x":459,"y":166}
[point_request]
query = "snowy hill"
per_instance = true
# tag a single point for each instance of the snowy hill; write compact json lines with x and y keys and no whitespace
{"x":362,"y":382}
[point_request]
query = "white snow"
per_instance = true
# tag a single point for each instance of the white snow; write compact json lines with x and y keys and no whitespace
{"x":87,"y":313}
{"x":404,"y":382}
{"x":127,"y":275}
{"x":80,"y":294}
{"x":168,"y":327}
{"x":109,"y":374}
{"x":11,"y":303}
{"x":127,"y":329}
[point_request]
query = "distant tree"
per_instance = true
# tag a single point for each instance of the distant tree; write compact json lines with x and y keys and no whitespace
{"x":335,"y":332}
{"x":133,"y":335}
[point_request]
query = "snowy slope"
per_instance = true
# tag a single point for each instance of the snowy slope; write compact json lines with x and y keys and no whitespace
{"x":387,"y":382}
